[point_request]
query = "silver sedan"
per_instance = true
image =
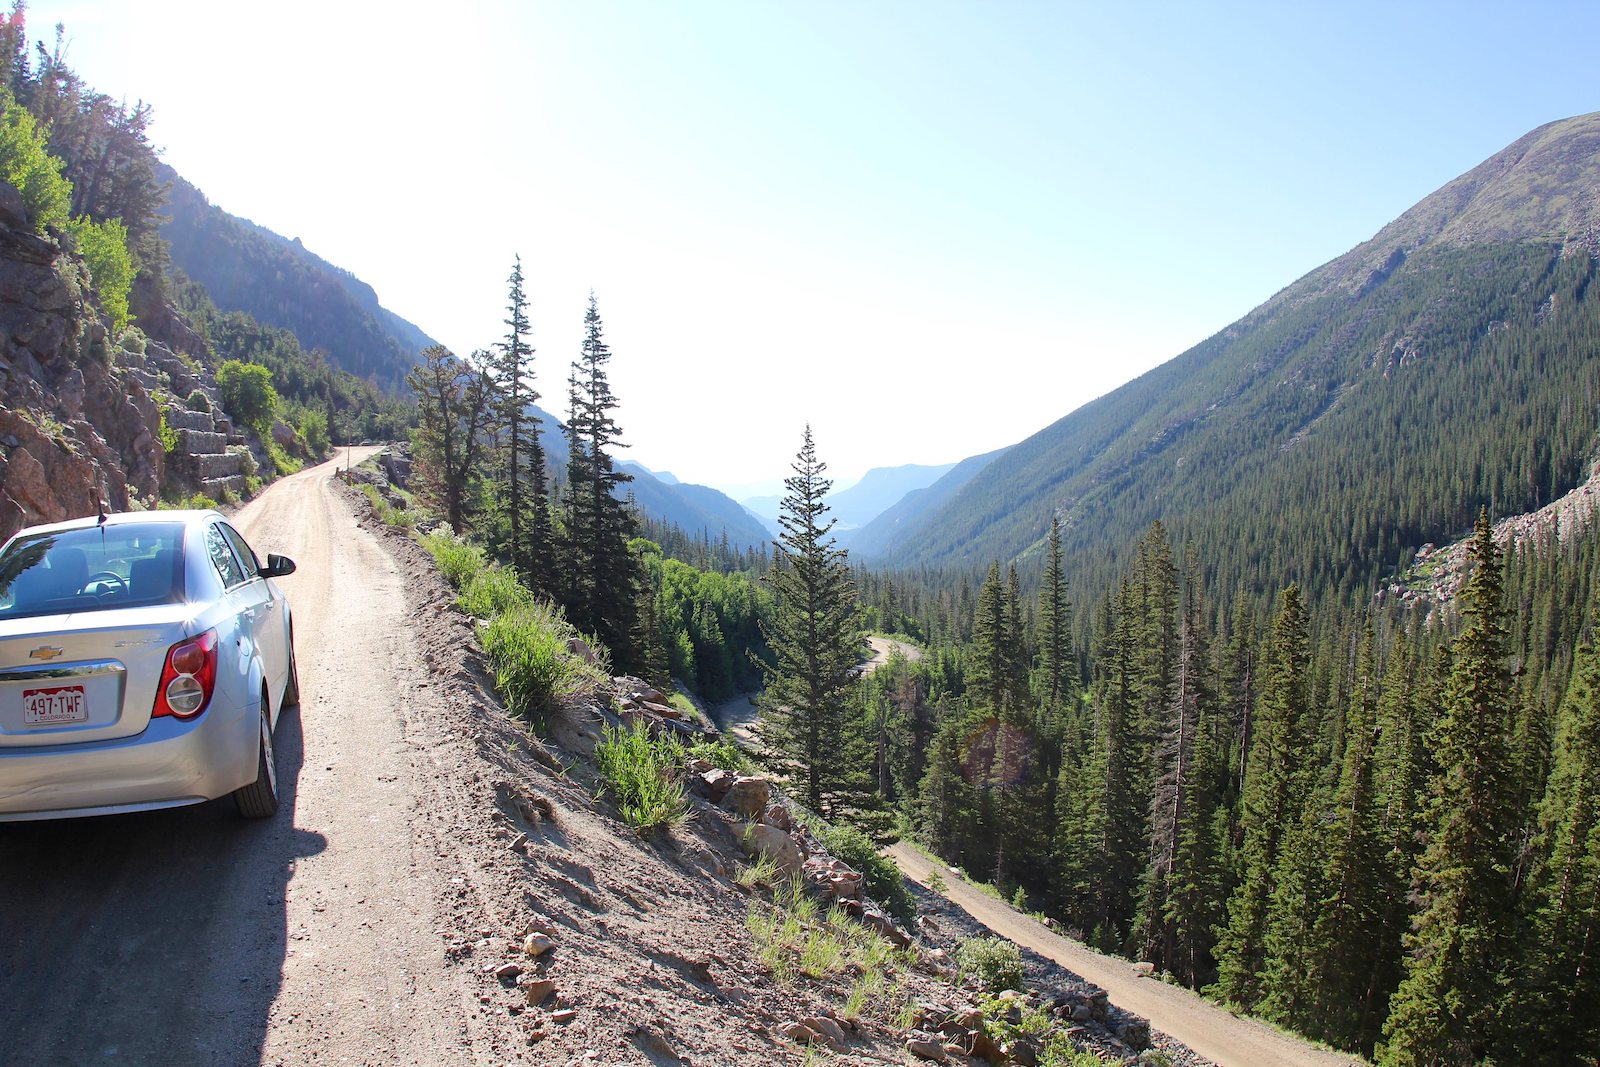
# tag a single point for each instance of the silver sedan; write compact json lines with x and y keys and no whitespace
{"x":144,"y":661}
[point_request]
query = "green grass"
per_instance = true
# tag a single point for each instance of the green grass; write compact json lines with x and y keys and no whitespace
{"x":457,"y":561}
{"x":644,"y":776}
{"x":494,"y":591}
{"x":387,"y":514}
{"x":527,"y":649}
{"x":795,"y":939}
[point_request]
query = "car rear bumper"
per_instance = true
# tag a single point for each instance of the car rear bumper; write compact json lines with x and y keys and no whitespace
{"x":171,"y":763}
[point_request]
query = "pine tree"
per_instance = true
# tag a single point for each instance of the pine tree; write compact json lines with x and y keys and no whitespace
{"x":988,"y":670}
{"x":1117,"y":797}
{"x":600,"y":572}
{"x":1346,"y":940}
{"x":1560,"y":1022}
{"x":1446,"y":1009}
{"x":1269,"y":803}
{"x":1055,"y":626}
{"x":1178,"y":906}
{"x":522,"y":487}
{"x":813,"y":633}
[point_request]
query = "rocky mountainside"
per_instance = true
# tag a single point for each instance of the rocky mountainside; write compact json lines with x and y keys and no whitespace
{"x":246,"y":267}
{"x":1368,"y":409}
{"x":77,"y":426}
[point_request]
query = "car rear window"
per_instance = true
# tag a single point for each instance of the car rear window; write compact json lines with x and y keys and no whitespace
{"x":92,"y":569}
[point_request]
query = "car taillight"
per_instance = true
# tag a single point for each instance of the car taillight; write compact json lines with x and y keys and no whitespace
{"x":189,"y":678}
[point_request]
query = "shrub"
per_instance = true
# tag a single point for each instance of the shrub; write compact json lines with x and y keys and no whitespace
{"x":198,"y":401}
{"x":878,"y":872}
{"x":457,"y":561}
{"x":722,"y":753}
{"x":166,"y":434}
{"x":283,"y":463}
{"x":247,"y":465}
{"x":192,"y":502}
{"x":994,"y":961}
{"x":313,"y":427}
{"x":248,"y":395}
{"x":642,"y":774}
{"x":527,"y":649}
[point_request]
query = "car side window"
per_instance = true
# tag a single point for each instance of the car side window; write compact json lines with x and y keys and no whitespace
{"x":247,"y":556}
{"x":222,"y":557}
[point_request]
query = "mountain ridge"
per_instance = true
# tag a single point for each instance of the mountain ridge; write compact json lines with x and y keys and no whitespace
{"x":1230,"y":422}
{"x":244,"y":266}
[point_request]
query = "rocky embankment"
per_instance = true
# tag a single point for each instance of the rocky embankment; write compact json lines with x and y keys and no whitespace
{"x":80,"y":413}
{"x":74,"y":431}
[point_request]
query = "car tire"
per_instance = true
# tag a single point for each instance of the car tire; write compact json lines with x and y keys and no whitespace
{"x":259,"y":799}
{"x":291,"y":688}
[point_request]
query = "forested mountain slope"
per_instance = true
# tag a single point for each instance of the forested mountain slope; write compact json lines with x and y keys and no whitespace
{"x":245,"y":267}
{"x":880,"y":537}
{"x":1369,"y":408}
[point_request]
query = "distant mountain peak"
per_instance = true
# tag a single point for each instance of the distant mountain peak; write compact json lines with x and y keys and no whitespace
{"x":1544,"y":186}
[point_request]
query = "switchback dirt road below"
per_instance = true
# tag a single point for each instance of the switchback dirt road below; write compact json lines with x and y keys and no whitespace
{"x":1207,"y":1029}
{"x":192,"y":936}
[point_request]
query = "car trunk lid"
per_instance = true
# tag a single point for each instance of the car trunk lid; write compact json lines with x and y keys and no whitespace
{"x":85,"y":676}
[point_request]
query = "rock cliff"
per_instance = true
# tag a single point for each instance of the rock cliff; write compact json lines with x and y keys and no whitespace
{"x":80,"y":415}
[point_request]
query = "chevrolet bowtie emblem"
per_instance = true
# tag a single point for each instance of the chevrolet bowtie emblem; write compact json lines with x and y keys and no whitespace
{"x":45,"y":652}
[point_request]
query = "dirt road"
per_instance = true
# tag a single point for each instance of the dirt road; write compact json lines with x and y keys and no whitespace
{"x":191,"y":936}
{"x":1207,"y":1029}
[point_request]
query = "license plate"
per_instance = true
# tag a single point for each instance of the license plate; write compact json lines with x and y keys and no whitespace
{"x":48,"y":707}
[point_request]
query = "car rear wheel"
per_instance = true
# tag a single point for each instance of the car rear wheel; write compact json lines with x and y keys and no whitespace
{"x":259,"y":799}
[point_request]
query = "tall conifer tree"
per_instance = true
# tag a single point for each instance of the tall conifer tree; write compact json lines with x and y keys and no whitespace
{"x":523,"y":484}
{"x":1446,"y":1010}
{"x":1055,"y":625}
{"x":814,"y":634}
{"x":1561,"y":995}
{"x":1269,"y":803}
{"x":601,"y":574}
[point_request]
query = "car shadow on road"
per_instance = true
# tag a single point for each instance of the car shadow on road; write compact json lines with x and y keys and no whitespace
{"x":157,"y":937}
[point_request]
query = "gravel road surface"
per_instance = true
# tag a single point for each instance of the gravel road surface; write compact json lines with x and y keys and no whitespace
{"x":1207,"y":1029}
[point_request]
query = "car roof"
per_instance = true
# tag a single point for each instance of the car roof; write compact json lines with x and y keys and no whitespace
{"x":173,"y":518}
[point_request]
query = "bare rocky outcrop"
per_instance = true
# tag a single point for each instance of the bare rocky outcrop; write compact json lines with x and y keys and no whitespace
{"x":1437,"y":573}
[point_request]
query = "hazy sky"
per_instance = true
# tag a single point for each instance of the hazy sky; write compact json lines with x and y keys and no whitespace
{"x":928,"y":229}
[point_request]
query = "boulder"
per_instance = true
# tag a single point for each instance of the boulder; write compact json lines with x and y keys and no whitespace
{"x":773,"y":843}
{"x":717,"y":782}
{"x":747,"y":796}
{"x":926,"y":1048}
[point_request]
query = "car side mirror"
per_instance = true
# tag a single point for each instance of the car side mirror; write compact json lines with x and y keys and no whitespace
{"x":277,"y":566}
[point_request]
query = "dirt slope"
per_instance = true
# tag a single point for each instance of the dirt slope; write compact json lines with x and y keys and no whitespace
{"x":1204,"y":1027}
